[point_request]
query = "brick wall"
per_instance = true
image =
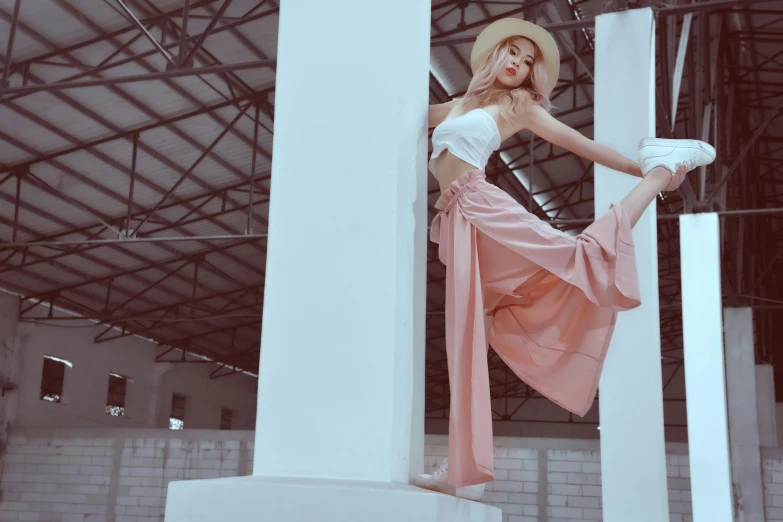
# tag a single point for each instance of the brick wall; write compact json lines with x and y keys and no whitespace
{"x":123,"y":475}
{"x":772,"y":475}
{"x":111,"y":475}
{"x":573,"y":485}
{"x":559,"y":480}
{"x":516,"y":486}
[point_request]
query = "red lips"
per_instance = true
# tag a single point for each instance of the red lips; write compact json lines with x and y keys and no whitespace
{"x":511,"y":71}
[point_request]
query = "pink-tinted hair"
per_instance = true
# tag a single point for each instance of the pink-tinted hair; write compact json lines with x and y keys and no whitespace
{"x":533,"y":90}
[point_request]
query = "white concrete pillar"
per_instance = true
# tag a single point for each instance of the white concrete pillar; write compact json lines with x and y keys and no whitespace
{"x":341,"y":379}
{"x":743,"y":413}
{"x":705,"y":382}
{"x":633,"y":453}
{"x":343,"y":318}
{"x":765,"y":405}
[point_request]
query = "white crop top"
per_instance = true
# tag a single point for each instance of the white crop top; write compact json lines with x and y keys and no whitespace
{"x":472,"y":137}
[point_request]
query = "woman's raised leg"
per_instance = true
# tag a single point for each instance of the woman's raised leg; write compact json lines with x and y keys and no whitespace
{"x":658,"y":159}
{"x":644,"y":193}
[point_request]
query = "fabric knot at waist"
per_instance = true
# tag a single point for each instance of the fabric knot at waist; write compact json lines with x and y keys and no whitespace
{"x":465,"y":182}
{"x":446,"y":201}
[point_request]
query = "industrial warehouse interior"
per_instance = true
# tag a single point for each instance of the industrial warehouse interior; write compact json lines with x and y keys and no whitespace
{"x":222,"y":298}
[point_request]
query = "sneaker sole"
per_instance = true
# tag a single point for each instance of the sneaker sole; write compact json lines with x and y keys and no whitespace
{"x":694,"y":144}
{"x":439,"y":487}
{"x":431,"y":485}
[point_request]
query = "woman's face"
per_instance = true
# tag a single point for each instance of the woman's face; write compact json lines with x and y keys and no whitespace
{"x":518,"y":64}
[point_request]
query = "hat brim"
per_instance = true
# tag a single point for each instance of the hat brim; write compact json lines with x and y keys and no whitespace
{"x":505,"y":28}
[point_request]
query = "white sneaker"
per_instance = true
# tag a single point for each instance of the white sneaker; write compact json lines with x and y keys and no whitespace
{"x":439,"y":481}
{"x":671,"y":154}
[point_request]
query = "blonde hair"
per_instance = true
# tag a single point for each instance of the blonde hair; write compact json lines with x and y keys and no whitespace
{"x":533,"y":90}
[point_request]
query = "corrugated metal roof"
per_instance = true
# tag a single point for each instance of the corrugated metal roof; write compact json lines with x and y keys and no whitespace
{"x":79,"y":143}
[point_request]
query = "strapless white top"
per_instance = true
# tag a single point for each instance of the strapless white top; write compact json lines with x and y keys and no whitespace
{"x":472,"y":137}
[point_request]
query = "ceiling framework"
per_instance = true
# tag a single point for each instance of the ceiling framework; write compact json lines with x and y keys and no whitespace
{"x":136,"y":158}
{"x":135,"y":169}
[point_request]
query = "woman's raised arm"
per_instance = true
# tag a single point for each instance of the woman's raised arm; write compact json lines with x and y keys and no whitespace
{"x":549,"y":128}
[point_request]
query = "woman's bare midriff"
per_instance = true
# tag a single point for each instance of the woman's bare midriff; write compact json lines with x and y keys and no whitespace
{"x":449,"y":168}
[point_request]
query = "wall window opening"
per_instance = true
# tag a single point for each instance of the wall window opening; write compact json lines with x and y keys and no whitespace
{"x":177,"y":418}
{"x":53,"y":378}
{"x":115,"y":400}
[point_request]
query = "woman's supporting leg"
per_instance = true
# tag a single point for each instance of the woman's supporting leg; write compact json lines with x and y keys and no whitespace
{"x":644,"y":193}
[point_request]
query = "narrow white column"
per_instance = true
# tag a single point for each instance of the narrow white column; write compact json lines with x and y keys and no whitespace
{"x":743,"y":413}
{"x":344,"y":301}
{"x":765,"y":405}
{"x":705,"y":381}
{"x":633,"y":454}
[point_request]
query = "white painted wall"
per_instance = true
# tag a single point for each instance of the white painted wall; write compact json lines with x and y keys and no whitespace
{"x":85,"y":389}
{"x":87,"y":381}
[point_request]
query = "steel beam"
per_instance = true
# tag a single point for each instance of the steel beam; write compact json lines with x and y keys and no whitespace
{"x":110,"y":160}
{"x":126,"y":241}
{"x":746,"y":148}
{"x":137,"y":22}
{"x":195,"y":164}
{"x":710,"y":5}
{"x":184,"y":34}
{"x":178,"y":342}
{"x":203,"y":36}
{"x":120,"y":80}
{"x":119,"y":32}
{"x":88,"y":247}
{"x":108,"y":36}
{"x":10,"y":46}
{"x":128,"y":232}
{"x":149,"y":266}
{"x":125,"y":134}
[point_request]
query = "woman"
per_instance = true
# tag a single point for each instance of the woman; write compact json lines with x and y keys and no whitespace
{"x":545,"y":301}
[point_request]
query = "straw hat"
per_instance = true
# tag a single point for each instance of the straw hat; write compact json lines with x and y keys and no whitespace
{"x":499,"y":30}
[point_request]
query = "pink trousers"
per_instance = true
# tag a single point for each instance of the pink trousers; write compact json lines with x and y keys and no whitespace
{"x":544,"y":300}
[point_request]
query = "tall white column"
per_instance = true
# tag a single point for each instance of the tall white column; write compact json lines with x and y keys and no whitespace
{"x":344,"y":303}
{"x":633,"y":454}
{"x":743,"y":413}
{"x":705,"y":377}
{"x":341,"y":377}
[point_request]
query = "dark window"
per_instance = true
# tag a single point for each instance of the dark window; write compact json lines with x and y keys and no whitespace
{"x":226,"y":416}
{"x":177,"y":419}
{"x":115,"y":401}
{"x":52,"y":378}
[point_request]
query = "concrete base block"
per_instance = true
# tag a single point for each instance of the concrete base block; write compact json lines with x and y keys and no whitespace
{"x":280,"y":499}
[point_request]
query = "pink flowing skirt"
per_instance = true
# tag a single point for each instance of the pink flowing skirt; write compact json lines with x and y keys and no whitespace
{"x":544,"y":300}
